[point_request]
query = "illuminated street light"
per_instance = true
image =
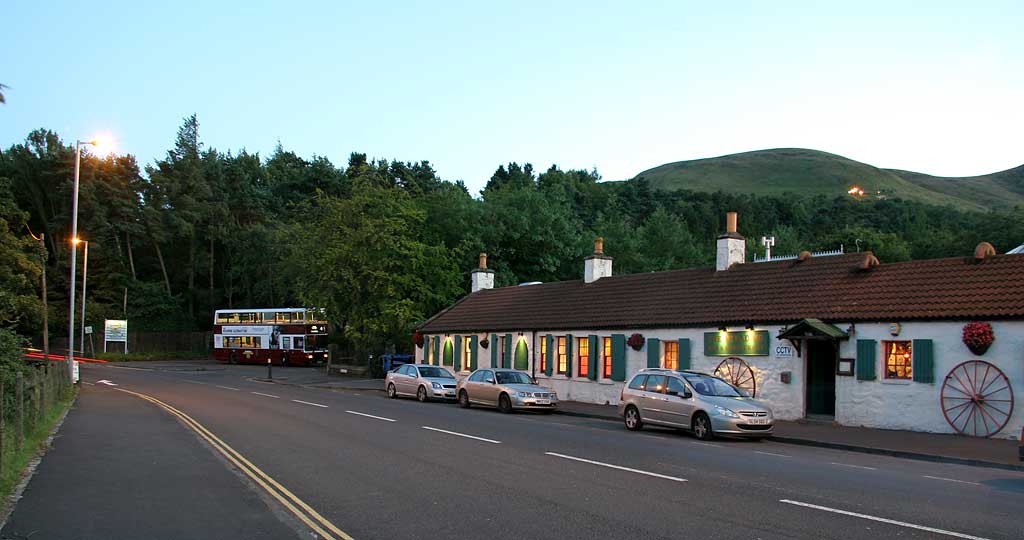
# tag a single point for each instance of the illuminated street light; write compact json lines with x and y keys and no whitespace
{"x":74,"y":255}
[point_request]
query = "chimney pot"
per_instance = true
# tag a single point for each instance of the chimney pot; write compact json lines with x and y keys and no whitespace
{"x":730,"y":222}
{"x":984,"y":251}
{"x":483,"y":261}
{"x":731,"y":245}
{"x":599,"y":246}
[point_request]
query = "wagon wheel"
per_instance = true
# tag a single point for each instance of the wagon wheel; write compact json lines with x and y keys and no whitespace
{"x":738,"y":373}
{"x":977,"y":399}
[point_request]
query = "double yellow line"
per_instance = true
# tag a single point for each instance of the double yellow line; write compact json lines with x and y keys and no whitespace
{"x":295,"y":505}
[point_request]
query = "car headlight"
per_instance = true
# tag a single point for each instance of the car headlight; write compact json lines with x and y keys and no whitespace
{"x":523,"y":394}
{"x":554,"y":395}
{"x":726,"y":412}
{"x":436,"y":385}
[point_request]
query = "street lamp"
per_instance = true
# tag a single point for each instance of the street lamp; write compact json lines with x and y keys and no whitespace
{"x":74,"y":255}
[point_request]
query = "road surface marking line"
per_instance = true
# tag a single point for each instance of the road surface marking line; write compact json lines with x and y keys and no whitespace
{"x":713,"y":445}
{"x":883,"y":520}
{"x":770,"y":454}
{"x":371,"y":416}
{"x":227,"y":387}
{"x":252,"y":471}
{"x":610,"y":466}
{"x":854,"y":466}
{"x":265,"y":395}
{"x":195,"y":382}
{"x":89,"y":383}
{"x":952,"y":480}
{"x":457,"y":434}
{"x":308,"y":403}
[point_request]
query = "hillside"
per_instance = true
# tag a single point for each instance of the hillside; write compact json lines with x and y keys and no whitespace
{"x":767,"y":172}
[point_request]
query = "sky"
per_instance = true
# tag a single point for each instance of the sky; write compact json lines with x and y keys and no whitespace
{"x":622,"y":87}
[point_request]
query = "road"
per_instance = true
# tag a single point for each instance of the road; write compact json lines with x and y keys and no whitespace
{"x":342,"y":464}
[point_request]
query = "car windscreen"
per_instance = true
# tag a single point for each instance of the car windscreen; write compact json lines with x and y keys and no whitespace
{"x":713,"y":386}
{"x":513,"y":377}
{"x":431,"y":371}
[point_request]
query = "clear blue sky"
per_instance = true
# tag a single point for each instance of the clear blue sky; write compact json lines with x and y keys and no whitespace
{"x":624,"y":86}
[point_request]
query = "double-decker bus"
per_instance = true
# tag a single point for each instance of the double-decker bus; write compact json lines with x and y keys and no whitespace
{"x":288,"y":336}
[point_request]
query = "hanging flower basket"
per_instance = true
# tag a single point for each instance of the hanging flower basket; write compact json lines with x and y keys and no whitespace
{"x":636,"y":341}
{"x":485,"y":342}
{"x":978,"y":337}
{"x":417,"y":338}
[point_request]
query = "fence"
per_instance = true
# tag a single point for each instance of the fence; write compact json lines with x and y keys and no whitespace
{"x":27,"y":397}
{"x":144,"y":342}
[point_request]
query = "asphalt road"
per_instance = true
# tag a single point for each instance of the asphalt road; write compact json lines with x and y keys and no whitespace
{"x":371,"y":467}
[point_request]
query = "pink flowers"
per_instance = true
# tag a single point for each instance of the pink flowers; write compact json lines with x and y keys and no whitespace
{"x":978,"y":337}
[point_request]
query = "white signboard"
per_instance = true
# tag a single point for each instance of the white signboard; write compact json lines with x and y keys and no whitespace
{"x":74,"y":372}
{"x":783,"y":351}
{"x":115,"y":330}
{"x":246,"y":330}
{"x":88,"y":329}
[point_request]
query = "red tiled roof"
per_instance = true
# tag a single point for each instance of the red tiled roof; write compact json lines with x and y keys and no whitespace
{"x":828,"y":288}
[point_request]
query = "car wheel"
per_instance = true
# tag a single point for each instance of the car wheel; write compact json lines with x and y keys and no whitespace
{"x":632,"y":418}
{"x":504,"y":404}
{"x":463,"y":399}
{"x":702,"y":427}
{"x":392,"y":393}
{"x":421,"y":394}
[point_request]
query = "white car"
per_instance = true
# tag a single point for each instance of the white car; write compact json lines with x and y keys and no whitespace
{"x":424,"y":381}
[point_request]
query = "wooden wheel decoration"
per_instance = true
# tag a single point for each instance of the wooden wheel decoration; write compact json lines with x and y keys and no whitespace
{"x":737,"y":373}
{"x":977,"y":399}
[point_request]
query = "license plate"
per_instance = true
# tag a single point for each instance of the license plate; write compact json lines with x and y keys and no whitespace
{"x":543,"y":402}
{"x":758,"y":421}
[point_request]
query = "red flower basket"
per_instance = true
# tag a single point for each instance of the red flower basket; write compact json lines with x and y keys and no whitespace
{"x":636,"y":341}
{"x":978,"y":337}
{"x":417,"y":338}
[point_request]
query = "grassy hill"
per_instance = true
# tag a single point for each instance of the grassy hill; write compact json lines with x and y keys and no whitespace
{"x":767,"y":172}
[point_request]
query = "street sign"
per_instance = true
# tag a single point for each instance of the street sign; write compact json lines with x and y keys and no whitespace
{"x":115,"y":330}
{"x":88,"y":329}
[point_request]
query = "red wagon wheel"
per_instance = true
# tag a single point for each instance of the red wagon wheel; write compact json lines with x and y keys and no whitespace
{"x":977,"y":399}
{"x":738,"y":373}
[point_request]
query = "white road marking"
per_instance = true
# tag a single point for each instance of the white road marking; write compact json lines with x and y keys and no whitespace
{"x":713,"y":445}
{"x":854,"y":466}
{"x":89,"y":383}
{"x":770,"y":454}
{"x":106,"y":382}
{"x":195,"y":382}
{"x":265,"y":395}
{"x":883,"y":520}
{"x":457,"y":434}
{"x":610,"y":466}
{"x":308,"y":403}
{"x":952,"y":480}
{"x":371,"y":416}
{"x":227,"y":388}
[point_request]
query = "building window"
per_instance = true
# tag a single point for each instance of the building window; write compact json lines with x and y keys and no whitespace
{"x":898,"y":360}
{"x":671,"y":354}
{"x":467,"y":352}
{"x":563,"y":360}
{"x":544,"y":355}
{"x":242,"y":342}
{"x":583,"y":346}
{"x":430,"y":352}
{"x":501,"y":353}
{"x":606,"y":358}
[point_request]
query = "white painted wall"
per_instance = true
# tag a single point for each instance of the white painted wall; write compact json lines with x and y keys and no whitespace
{"x":877,"y":404}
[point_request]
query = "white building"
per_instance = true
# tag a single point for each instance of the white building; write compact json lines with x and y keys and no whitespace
{"x":841,"y":337}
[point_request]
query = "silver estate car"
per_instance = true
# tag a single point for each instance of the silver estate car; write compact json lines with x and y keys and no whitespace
{"x":506,"y":389}
{"x":424,"y":381}
{"x":694,"y":401}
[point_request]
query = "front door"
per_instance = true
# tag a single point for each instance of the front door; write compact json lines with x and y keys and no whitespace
{"x":821,"y":377}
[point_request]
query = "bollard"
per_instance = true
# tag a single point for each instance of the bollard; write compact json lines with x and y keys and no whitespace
{"x":270,"y":367}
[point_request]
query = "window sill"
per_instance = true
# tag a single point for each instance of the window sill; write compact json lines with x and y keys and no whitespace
{"x":898,"y":382}
{"x":605,"y":381}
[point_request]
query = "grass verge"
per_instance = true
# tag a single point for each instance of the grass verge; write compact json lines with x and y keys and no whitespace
{"x":152,"y":356}
{"x":16,"y":461}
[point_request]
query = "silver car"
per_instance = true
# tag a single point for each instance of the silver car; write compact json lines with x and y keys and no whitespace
{"x":424,"y":381}
{"x":694,"y":401}
{"x":506,"y":389}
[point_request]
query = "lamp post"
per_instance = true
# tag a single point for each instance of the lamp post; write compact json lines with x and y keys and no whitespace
{"x":85,"y":278}
{"x":74,"y":256}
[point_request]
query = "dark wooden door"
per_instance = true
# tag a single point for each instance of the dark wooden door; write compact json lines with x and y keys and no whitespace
{"x":821,"y":377}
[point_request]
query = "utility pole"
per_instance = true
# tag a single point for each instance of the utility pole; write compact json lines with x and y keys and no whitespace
{"x":46,"y":312}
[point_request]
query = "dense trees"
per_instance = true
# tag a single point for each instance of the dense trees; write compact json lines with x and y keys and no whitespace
{"x":384,"y":244}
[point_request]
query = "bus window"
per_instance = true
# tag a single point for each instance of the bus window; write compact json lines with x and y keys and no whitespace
{"x":316,"y":343}
{"x":286,"y":343}
{"x":227,"y":318}
{"x":239,"y":342}
{"x":297,"y":341}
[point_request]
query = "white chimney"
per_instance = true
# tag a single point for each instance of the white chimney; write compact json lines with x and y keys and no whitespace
{"x":597,"y":265}
{"x":481,"y":278}
{"x":732,"y":247}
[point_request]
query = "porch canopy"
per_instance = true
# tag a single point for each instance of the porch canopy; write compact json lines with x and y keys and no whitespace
{"x":812,"y":329}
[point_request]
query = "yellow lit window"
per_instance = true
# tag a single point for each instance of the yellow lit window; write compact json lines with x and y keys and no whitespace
{"x":467,"y":352}
{"x":671,"y":355}
{"x":583,"y":346}
{"x":606,"y":359}
{"x":898,"y":360}
{"x":563,"y":360}
{"x":544,"y":354}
